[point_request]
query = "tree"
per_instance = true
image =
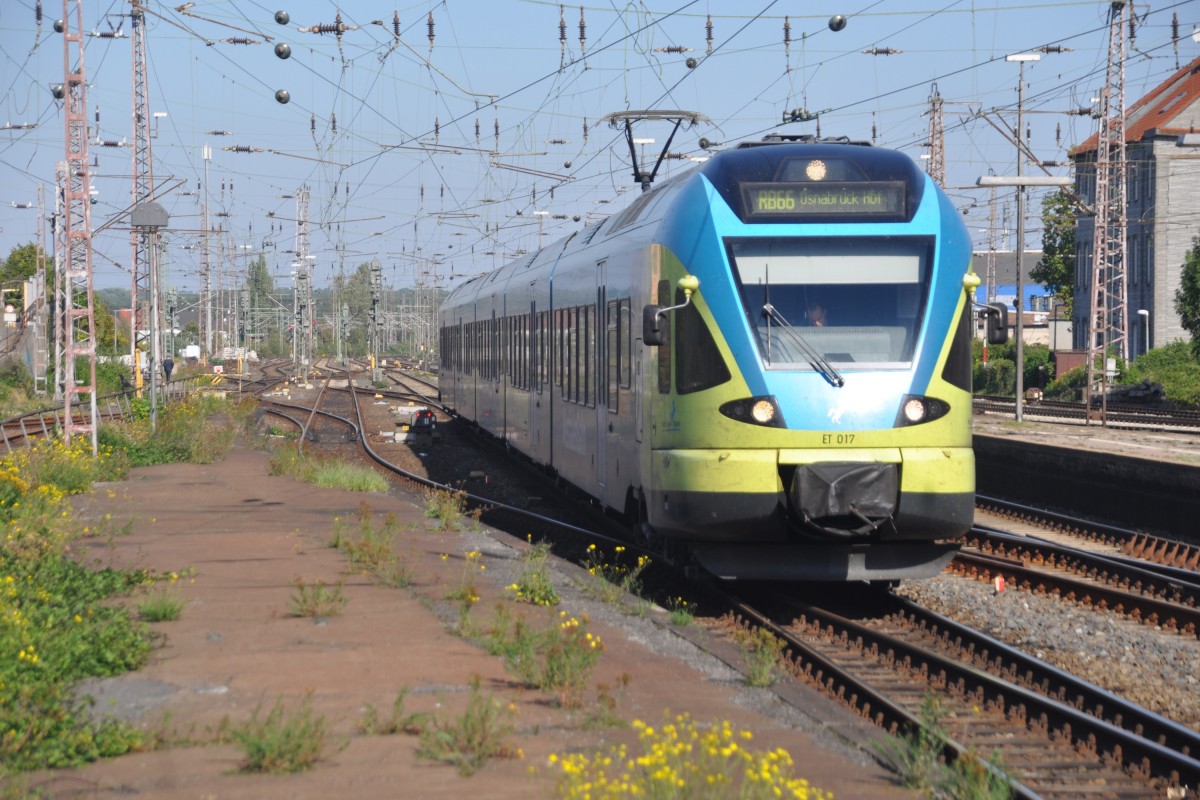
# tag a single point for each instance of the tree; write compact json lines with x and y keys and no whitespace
{"x":21,"y":264}
{"x":1187,"y":296}
{"x":260,"y":283}
{"x":1056,"y":269}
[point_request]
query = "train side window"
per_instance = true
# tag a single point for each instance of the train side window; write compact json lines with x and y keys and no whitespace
{"x":613,"y":328}
{"x":589,"y":357}
{"x":544,"y":334}
{"x":573,"y":356}
{"x":558,"y":346}
{"x":698,"y":361}
{"x":523,"y":344}
{"x":664,"y":349}
{"x":577,"y":344}
{"x":494,"y":349}
{"x":625,"y":339}
{"x":505,"y":347}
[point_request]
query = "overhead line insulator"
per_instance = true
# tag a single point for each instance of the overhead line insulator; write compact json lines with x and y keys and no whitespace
{"x":882,"y":51}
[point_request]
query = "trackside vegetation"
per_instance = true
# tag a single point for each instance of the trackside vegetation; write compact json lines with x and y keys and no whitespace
{"x":62,"y":620}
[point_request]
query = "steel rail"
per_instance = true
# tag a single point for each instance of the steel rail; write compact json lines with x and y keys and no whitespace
{"x":1135,"y":544}
{"x":1150,"y":610}
{"x":1033,"y":673}
{"x":1136,"y":753}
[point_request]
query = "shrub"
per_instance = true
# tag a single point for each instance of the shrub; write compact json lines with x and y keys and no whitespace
{"x":1175,"y":367}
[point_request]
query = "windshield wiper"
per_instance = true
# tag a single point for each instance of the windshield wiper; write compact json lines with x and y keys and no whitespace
{"x":815,"y":359}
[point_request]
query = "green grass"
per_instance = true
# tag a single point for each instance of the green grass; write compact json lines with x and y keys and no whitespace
{"x":197,"y":430}
{"x":327,"y":472}
{"x":164,"y":606}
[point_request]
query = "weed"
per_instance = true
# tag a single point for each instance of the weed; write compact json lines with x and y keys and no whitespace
{"x":604,"y":714}
{"x":317,"y":599}
{"x":972,"y":778}
{"x":915,"y":754}
{"x":682,"y":759}
{"x":763,"y":652}
{"x":448,"y":509}
{"x":916,"y":757}
{"x":467,"y":592}
{"x":282,"y":743}
{"x":399,"y":722}
{"x":613,"y":582}
{"x":681,"y":611}
{"x":164,"y":606}
{"x":533,"y":583}
{"x":471,"y":739}
{"x":371,"y":550}
{"x":559,"y":658}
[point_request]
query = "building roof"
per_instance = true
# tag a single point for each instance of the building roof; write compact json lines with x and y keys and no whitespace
{"x":1171,"y":108}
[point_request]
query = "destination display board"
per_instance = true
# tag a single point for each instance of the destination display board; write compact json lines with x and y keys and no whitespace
{"x":878,"y":199}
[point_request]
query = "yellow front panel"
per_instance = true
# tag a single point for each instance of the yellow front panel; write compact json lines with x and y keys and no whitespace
{"x":725,"y":471}
{"x":938,"y":470}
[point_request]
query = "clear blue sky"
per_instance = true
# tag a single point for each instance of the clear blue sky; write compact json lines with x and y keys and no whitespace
{"x":383,"y":130}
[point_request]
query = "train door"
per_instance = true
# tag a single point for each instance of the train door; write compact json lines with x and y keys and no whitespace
{"x":600,"y":370}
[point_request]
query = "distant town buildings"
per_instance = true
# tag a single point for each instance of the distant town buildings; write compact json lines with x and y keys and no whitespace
{"x":1162,"y":134}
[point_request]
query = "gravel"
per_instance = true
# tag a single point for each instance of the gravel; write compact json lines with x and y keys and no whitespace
{"x":1151,"y":667}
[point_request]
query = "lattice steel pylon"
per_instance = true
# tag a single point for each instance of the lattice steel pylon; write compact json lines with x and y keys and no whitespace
{"x":79,"y":321}
{"x":143,"y":190}
{"x":304,"y":296}
{"x":937,"y":139}
{"x":1108,"y":314}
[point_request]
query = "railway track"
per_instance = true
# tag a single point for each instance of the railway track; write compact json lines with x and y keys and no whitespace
{"x":1083,"y":533}
{"x":1129,"y":416}
{"x":1058,"y":737}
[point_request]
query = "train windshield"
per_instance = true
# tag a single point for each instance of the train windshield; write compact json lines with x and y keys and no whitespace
{"x":834,"y":303}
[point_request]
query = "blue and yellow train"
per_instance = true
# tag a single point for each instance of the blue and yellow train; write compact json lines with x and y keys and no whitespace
{"x":763,"y":363}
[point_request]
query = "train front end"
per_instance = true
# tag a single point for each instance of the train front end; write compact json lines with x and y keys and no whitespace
{"x":812,"y":413}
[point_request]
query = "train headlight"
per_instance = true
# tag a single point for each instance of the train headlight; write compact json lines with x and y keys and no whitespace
{"x":755,"y":411}
{"x":915,"y":410}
